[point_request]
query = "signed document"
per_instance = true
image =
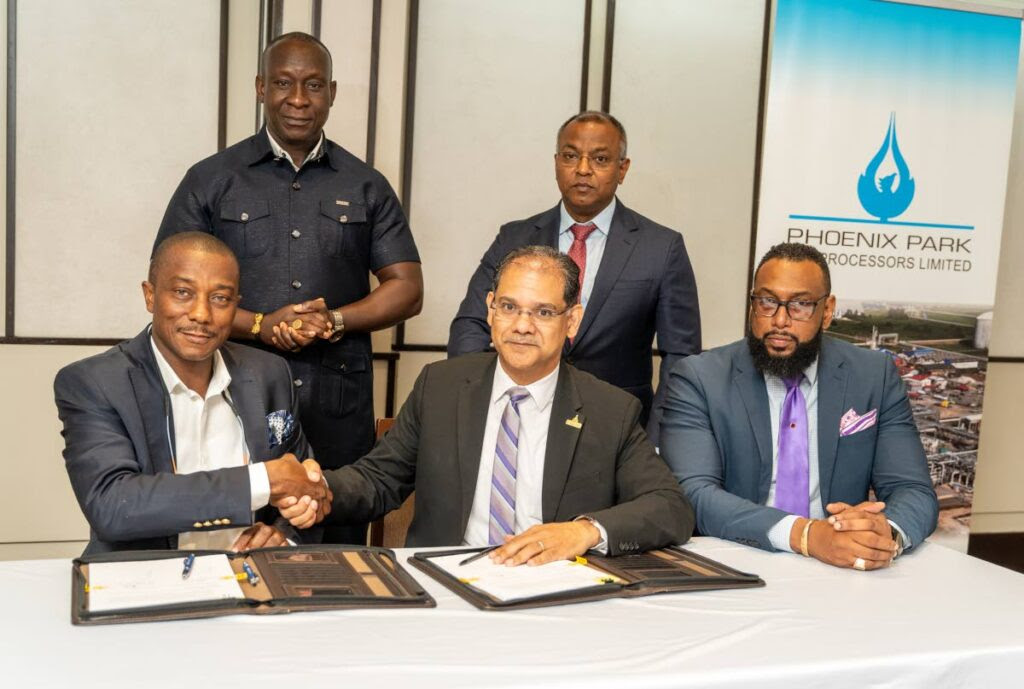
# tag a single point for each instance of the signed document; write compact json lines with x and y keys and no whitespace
{"x":152,"y":583}
{"x":516,"y":583}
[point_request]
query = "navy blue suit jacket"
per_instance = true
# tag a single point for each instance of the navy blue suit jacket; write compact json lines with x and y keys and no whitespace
{"x":644,"y":285}
{"x":118,"y":431}
{"x":716,"y":436}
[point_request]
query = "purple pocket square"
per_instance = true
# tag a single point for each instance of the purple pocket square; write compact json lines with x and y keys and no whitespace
{"x":853,"y":423}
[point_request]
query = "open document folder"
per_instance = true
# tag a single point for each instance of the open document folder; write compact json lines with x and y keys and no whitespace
{"x":143,"y":585}
{"x":498,"y":587}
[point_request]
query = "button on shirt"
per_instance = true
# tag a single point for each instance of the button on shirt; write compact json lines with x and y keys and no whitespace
{"x":208,"y":435}
{"x":535,"y":417}
{"x":595,"y":243}
{"x":779,"y":534}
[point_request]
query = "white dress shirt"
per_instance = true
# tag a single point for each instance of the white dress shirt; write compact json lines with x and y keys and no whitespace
{"x":595,"y":243}
{"x":535,"y":417}
{"x":279,"y":152}
{"x":208,"y":435}
{"x":779,"y":534}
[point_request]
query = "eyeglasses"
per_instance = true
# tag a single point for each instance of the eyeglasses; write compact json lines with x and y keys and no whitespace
{"x":509,"y":311}
{"x":598,"y":161}
{"x":798,"y":309}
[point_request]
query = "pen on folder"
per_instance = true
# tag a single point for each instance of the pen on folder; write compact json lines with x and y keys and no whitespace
{"x":186,"y":569}
{"x":250,"y":574}
{"x":477,"y":556}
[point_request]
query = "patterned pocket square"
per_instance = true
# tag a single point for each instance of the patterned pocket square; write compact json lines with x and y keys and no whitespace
{"x":852,"y":423}
{"x":280,"y":425}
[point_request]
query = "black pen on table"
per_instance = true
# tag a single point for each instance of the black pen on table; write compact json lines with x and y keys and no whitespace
{"x":479,"y":555}
{"x":186,"y":569}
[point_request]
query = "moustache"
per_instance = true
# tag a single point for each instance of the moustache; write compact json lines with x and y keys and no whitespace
{"x":776,"y":333}
{"x":521,"y":341}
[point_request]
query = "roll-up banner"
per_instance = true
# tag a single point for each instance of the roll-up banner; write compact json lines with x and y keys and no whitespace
{"x":886,"y":146}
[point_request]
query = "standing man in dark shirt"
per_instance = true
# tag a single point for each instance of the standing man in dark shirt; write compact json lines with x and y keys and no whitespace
{"x":309,"y":222}
{"x":635,"y":275}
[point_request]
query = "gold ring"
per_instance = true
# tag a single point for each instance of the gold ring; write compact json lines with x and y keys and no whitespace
{"x":541,"y":544}
{"x":860,"y":564}
{"x":297,"y":323}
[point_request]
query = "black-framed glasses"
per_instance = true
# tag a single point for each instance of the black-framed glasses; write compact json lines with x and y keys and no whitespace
{"x":798,"y":309}
{"x":598,"y":161}
{"x":506,"y":310}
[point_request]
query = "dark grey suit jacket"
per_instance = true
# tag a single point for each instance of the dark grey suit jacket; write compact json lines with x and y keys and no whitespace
{"x":118,"y":432}
{"x":644,"y":285}
{"x":606,"y":469}
{"x":716,"y":435}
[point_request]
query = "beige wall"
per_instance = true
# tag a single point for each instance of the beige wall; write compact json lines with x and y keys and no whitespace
{"x":40,"y":518}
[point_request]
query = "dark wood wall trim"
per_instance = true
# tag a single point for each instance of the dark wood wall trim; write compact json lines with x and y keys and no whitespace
{"x":762,"y":96}
{"x":12,"y":111}
{"x":317,"y":18}
{"x":1006,"y":360}
{"x":585,"y":78}
{"x":371,"y":102}
{"x":222,"y":79}
{"x":609,"y":43}
{"x":1003,"y":549}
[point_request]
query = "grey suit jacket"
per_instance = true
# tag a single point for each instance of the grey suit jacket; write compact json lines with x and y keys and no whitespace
{"x":644,"y":285}
{"x":716,"y":435}
{"x":607,"y":469}
{"x":118,"y":435}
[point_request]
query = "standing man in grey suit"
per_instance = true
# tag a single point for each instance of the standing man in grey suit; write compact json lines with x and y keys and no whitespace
{"x":635,"y":275}
{"x":518,"y":448}
{"x":778,"y":438}
{"x":176,"y":438}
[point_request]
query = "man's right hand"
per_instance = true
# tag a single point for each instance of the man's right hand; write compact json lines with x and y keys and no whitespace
{"x":277,"y":330}
{"x":303,"y":510}
{"x":289,"y":479}
{"x":848,"y":548}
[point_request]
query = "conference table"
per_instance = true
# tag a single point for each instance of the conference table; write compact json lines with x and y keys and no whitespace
{"x":937,"y":618}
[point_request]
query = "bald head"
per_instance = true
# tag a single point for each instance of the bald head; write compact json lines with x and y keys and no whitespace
{"x":176,"y":244}
{"x":300,"y":38}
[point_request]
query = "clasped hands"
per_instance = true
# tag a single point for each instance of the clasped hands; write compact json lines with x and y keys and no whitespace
{"x":857,"y":536}
{"x":314,"y":320}
{"x":293,"y":484}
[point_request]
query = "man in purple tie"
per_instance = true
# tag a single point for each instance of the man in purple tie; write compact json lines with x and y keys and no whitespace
{"x":777,"y":439}
{"x":517,"y":449}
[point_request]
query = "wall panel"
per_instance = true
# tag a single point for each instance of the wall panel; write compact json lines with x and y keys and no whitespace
{"x":346,"y":30}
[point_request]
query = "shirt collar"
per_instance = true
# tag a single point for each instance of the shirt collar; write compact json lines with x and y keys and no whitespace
{"x":602,"y":221}
{"x":542,"y":391}
{"x":219,"y":381}
{"x":279,"y":152}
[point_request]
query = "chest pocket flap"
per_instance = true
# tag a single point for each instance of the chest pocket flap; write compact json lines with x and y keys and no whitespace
{"x":245,"y":225}
{"x":342,"y":227}
{"x":244,"y":211}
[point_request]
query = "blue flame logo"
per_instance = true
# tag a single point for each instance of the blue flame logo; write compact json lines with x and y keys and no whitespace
{"x":877,"y":194}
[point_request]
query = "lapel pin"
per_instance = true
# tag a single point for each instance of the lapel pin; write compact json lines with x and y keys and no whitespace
{"x":574,"y":422}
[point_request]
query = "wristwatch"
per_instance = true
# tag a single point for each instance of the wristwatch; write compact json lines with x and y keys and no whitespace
{"x":898,"y":537}
{"x":339,"y":325}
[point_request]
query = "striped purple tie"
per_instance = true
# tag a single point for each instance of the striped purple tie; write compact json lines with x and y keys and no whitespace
{"x":503,"y":472}
{"x":792,"y":478}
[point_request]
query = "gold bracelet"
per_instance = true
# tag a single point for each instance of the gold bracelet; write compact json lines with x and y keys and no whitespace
{"x":255,"y":329}
{"x":803,"y":538}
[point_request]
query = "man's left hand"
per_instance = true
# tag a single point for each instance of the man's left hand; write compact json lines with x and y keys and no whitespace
{"x":259,"y":535}
{"x":319,"y":307}
{"x":545,"y":543}
{"x":866,"y":516}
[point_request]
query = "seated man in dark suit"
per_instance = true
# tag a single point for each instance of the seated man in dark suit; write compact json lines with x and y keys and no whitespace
{"x":778,"y":438}
{"x":517,"y":448}
{"x":171,"y":437}
{"x":635,"y":275}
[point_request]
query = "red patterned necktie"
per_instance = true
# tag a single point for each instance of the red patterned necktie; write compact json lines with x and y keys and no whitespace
{"x":578,"y":250}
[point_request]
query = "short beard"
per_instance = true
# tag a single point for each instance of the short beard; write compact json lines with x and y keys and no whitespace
{"x":783,"y":366}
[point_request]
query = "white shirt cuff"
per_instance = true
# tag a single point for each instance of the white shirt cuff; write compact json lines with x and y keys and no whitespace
{"x":906,"y":541}
{"x":602,"y":546}
{"x":778,"y":535}
{"x":259,"y":486}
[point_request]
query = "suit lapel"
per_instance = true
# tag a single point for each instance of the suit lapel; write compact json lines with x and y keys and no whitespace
{"x":545,"y":229}
{"x":562,"y":440}
{"x":153,"y":403}
{"x":749,"y":382}
{"x":473,"y":400}
{"x":246,"y":400}
{"x":832,"y":377}
{"x":618,"y":247}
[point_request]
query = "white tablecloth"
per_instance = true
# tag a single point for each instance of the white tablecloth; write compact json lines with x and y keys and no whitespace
{"x":938,"y":618}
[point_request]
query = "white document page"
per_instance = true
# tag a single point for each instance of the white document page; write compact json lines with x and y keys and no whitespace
{"x":149,"y":583}
{"x":514,"y":583}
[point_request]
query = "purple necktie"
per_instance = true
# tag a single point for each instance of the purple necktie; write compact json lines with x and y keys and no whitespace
{"x":503,"y":471}
{"x":791,"y":478}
